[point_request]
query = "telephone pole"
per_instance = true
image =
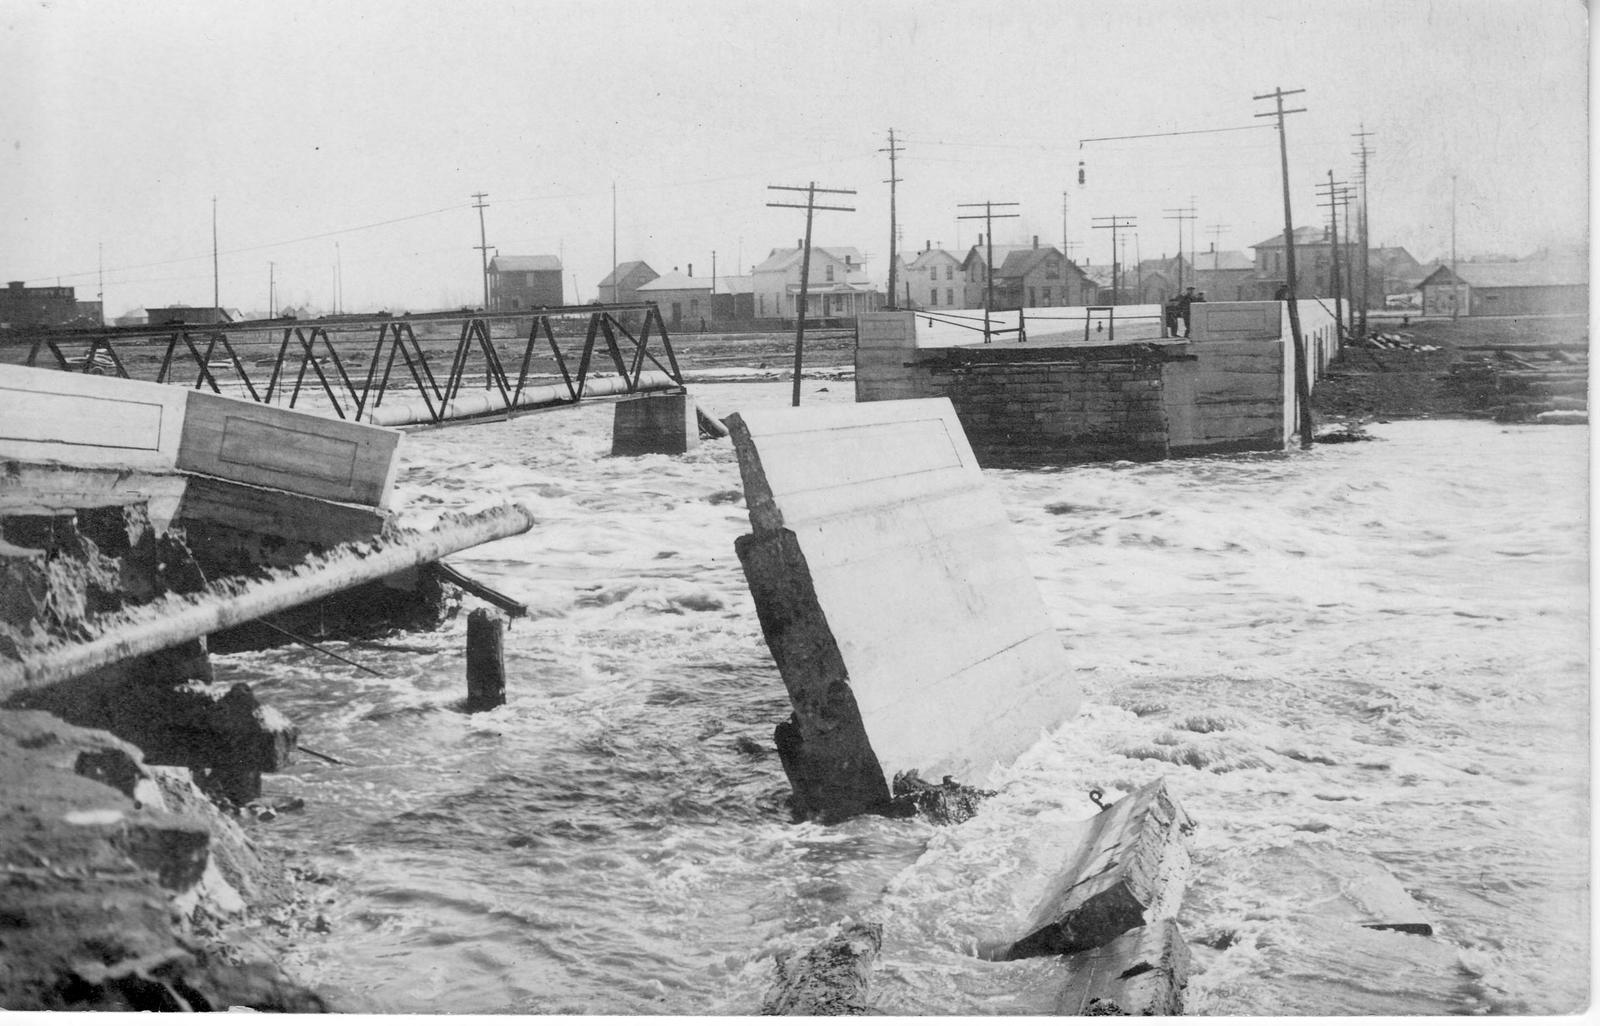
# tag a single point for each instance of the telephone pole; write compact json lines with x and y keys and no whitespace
{"x":893,"y":150}
{"x":272,"y":290}
{"x":1455,"y":282}
{"x":1366,"y":246}
{"x":483,"y":245}
{"x":1117,"y":222}
{"x":1180,"y":215}
{"x":810,"y":207}
{"x":1335,"y":194}
{"x":216,"y":287}
{"x":988,"y":217}
{"x":1302,"y":375}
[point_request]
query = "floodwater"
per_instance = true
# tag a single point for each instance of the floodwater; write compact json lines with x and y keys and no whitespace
{"x":1360,"y":667}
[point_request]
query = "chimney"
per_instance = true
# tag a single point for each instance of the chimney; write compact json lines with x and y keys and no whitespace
{"x":980,"y":238}
{"x":1036,"y":242}
{"x":691,"y":270}
{"x":927,"y":245}
{"x":1213,"y":245}
{"x":799,"y":243}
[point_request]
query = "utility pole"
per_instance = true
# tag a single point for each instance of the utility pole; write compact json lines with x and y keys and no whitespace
{"x":1180,"y":215}
{"x":1302,"y":374}
{"x":483,"y":245}
{"x":810,"y":207}
{"x":893,"y":150}
{"x":1366,"y":246}
{"x":614,"y":282}
{"x":988,"y":216}
{"x":1116,"y":222}
{"x":100,"y":265}
{"x":272,"y":290}
{"x":1455,"y":292}
{"x":1334,"y":194}
{"x":216,"y":286}
{"x":338,"y":280}
{"x":1066,"y":247}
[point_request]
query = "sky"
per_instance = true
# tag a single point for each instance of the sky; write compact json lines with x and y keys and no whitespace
{"x":344,"y":141}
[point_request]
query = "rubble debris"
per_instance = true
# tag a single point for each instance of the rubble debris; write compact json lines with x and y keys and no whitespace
{"x":833,"y":978}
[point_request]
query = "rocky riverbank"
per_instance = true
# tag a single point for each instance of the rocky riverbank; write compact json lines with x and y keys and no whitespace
{"x":123,"y":887}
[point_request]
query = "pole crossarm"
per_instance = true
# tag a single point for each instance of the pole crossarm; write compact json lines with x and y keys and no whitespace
{"x":988,"y":217}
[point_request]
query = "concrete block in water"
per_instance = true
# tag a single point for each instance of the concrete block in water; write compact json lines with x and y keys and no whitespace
{"x":907,"y":625}
{"x":664,"y":423}
{"x":833,"y":978}
{"x":1142,"y":972}
{"x":1129,"y":869}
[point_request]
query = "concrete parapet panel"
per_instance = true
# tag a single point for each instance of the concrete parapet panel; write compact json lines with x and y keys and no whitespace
{"x":89,"y":421}
{"x":894,"y":600}
{"x":1129,"y":870}
{"x":663,"y":423}
{"x":1214,"y":321}
{"x":298,"y":452}
{"x":886,"y":329}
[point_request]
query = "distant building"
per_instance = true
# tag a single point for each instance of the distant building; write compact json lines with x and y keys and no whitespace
{"x":40,"y":307}
{"x":133,"y":318}
{"x":182,"y":314}
{"x":1224,"y":275}
{"x":1536,"y":286}
{"x":1025,"y":276}
{"x":622,"y":284}
{"x":524,"y":282}
{"x":838,"y":285}
{"x":684,"y":301}
{"x":733,"y":299}
{"x":933,"y":280}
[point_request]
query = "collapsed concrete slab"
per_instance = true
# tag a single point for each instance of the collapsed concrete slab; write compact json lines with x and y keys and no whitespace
{"x":906,"y":624}
{"x":1130,"y":870}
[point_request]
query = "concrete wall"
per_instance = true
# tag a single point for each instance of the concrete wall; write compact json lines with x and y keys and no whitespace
{"x":1229,"y":388}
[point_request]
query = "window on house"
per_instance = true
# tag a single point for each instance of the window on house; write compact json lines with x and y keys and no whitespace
{"x":1052,"y":269}
{"x":830,"y":272}
{"x":1047,"y":295}
{"x":949,"y":271}
{"x":949,"y":297}
{"x":1033,"y":300}
{"x":933,"y":297}
{"x":933,"y":273}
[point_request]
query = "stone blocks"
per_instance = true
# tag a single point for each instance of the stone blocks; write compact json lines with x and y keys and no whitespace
{"x":663,"y":423}
{"x":906,"y":624}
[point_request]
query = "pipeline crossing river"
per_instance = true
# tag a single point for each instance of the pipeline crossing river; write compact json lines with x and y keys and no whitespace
{"x":1366,"y":654}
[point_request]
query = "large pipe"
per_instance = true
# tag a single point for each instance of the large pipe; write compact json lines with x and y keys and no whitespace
{"x":183,"y":618}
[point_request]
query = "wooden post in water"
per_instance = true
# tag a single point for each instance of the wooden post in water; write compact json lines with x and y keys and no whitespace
{"x":486,"y":663}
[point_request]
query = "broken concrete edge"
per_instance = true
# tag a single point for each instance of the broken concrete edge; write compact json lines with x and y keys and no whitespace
{"x":1129,"y":869}
{"x":832,"y":978}
{"x":174,"y":618}
{"x":120,"y":881}
{"x":1141,"y":972}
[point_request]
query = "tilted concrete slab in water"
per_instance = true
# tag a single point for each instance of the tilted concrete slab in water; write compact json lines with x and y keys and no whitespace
{"x":907,"y":625}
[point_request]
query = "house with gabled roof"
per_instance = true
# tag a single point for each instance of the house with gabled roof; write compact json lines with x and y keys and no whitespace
{"x":622,"y":284}
{"x":524,"y":282}
{"x":684,"y":300}
{"x":933,"y":280}
{"x":837,"y":285}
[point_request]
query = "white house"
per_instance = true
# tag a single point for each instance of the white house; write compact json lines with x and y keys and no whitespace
{"x":838,"y":285}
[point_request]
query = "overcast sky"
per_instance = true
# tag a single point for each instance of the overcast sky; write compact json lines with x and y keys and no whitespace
{"x":371,"y":124}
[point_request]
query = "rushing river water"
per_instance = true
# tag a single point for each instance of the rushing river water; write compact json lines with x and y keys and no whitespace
{"x":1366,"y":654}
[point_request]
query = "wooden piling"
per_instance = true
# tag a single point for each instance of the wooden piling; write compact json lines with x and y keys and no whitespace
{"x":486,"y":665}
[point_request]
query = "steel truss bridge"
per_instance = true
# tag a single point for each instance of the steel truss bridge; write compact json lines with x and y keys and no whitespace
{"x":358,"y":361}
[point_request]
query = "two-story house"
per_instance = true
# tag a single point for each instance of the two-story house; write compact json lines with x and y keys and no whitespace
{"x":838,"y":285}
{"x":524,"y":282}
{"x":933,"y":280}
{"x":1025,"y":276}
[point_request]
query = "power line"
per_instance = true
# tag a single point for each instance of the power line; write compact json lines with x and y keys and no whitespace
{"x":810,"y":206}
